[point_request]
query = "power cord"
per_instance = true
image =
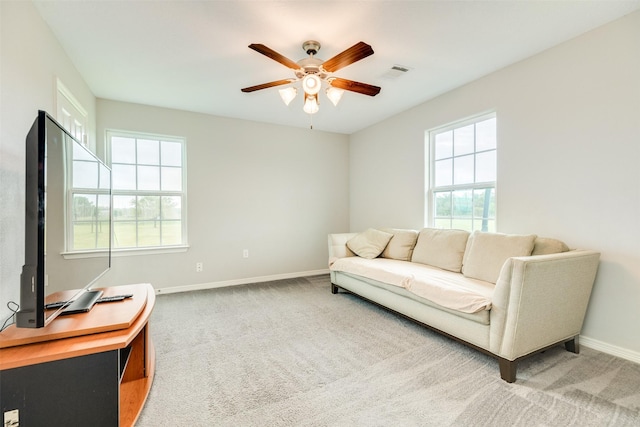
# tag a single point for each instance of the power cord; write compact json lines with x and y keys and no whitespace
{"x":14,"y":307}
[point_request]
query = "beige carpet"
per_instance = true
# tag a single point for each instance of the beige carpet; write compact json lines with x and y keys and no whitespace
{"x":289,"y":353}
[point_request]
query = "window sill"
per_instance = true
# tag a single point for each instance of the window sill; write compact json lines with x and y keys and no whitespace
{"x":126,"y":252}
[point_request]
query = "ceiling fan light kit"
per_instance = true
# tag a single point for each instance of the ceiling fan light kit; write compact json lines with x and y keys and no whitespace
{"x":334,"y":94}
{"x":314,"y":73}
{"x":311,"y":84}
{"x":288,"y":94}
{"x":311,"y":105}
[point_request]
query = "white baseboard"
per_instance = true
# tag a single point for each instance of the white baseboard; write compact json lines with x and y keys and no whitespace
{"x":611,"y":349}
{"x":236,"y":282}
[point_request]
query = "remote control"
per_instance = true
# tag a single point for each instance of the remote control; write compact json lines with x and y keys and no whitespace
{"x":113,"y":298}
{"x":57,"y":304}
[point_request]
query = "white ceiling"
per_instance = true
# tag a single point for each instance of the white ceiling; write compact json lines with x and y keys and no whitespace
{"x":193,"y":55}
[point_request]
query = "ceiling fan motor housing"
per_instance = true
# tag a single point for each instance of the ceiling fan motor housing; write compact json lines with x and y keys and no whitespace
{"x":311,"y":47}
{"x":310,"y":65}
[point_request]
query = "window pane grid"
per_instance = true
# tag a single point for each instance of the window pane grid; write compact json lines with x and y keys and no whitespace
{"x":463,"y":177}
{"x":148,"y":220}
{"x":463,"y":209}
{"x":87,"y":187}
{"x":148,"y":191}
{"x":90,"y":220}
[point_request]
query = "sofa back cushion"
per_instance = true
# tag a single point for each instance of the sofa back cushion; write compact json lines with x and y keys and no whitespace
{"x":370,"y":243}
{"x":487,"y":252}
{"x":401,"y":245}
{"x":546,"y":246}
{"x":441,"y":248}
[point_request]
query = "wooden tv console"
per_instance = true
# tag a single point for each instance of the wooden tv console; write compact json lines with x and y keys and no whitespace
{"x":92,"y":368}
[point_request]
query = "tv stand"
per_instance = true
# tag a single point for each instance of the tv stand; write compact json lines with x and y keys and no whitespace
{"x":100,"y":377}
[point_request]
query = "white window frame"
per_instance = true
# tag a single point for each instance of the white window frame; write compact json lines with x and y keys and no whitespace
{"x":430,"y":178}
{"x":146,"y":250}
{"x":72,"y":115}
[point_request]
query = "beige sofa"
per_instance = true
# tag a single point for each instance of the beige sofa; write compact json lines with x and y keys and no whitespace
{"x":509,"y":296}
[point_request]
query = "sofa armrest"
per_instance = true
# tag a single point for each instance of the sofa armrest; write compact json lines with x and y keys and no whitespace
{"x":338,"y":246}
{"x":540,"y":300}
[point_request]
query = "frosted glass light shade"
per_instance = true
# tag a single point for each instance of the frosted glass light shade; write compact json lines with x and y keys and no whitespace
{"x":311,"y":84}
{"x":334,"y":94}
{"x":311,"y":105}
{"x":288,"y":94}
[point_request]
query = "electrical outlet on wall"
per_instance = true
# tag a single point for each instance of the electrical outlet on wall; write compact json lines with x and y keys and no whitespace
{"x":199,"y":267}
{"x":245,"y":253}
{"x":12,"y":418}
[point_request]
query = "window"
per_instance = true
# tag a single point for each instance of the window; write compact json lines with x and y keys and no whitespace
{"x":148,"y":190}
{"x":71,"y":115}
{"x":462,"y":178}
{"x":90,"y":204}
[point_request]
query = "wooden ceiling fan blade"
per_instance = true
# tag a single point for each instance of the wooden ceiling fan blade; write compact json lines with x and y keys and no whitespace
{"x":260,"y":48}
{"x":354,"y":86}
{"x":267,"y":85}
{"x":355,"y":53}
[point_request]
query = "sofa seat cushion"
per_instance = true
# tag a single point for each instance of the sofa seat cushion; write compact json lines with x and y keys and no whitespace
{"x":445,"y":288}
{"x":344,"y":280}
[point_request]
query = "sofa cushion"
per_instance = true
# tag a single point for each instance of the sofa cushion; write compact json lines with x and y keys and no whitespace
{"x":486,"y":253}
{"x":546,"y":246}
{"x":370,"y":243}
{"x":441,"y":248}
{"x":401,"y":245}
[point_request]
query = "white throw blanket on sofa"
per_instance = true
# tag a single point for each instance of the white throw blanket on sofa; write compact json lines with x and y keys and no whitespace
{"x":448,"y":289}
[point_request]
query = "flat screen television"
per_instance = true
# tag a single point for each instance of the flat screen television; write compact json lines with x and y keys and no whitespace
{"x":67,"y":221}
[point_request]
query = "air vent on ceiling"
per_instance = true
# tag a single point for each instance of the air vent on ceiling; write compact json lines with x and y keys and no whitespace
{"x":395,"y":72}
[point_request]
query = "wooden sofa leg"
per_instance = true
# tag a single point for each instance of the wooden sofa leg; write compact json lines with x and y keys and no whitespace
{"x":508,"y":369}
{"x":572,"y":345}
{"x":334,"y":289}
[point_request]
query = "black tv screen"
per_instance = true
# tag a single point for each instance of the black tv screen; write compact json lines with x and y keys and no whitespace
{"x":67,"y":219}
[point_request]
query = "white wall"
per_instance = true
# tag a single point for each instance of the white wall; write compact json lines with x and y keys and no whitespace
{"x":30,"y":61}
{"x":276,"y":191}
{"x":568,"y":162}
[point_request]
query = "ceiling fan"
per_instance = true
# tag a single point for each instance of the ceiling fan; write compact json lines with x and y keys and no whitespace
{"x":313,"y":71}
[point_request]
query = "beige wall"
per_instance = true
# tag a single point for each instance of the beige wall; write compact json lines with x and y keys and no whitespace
{"x":568,"y":156}
{"x":276,"y":191}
